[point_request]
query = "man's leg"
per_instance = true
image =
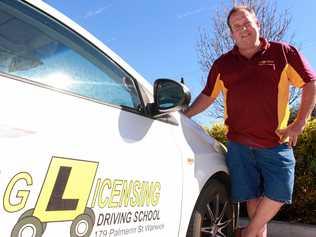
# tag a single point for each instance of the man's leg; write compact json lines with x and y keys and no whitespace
{"x":245,"y":176}
{"x":265,"y":211}
{"x":277,"y":170}
{"x":251,"y":209}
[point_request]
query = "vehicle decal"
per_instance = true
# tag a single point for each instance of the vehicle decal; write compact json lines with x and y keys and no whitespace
{"x":63,"y":197}
{"x":117,"y":193}
{"x":66,"y":189}
{"x":65,"y":194}
{"x":22,"y":195}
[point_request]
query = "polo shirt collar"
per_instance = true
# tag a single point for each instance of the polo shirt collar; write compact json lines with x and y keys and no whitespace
{"x":264,"y":45}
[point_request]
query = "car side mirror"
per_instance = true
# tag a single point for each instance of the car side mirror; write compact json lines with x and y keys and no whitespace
{"x":169,"y":96}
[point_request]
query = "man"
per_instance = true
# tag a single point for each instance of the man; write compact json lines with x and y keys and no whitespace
{"x":255,"y":77}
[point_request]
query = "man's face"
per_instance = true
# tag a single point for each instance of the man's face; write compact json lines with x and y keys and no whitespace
{"x":244,"y":29}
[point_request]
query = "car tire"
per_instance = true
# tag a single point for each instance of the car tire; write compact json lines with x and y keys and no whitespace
{"x":90,"y":213}
{"x":27,"y":224}
{"x":30,"y":213}
{"x":213,"y":215}
{"x":81,"y":226}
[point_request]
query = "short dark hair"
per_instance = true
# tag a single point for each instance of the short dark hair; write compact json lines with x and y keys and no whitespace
{"x":239,"y":8}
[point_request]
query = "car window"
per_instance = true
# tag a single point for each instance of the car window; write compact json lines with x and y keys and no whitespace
{"x":38,"y":48}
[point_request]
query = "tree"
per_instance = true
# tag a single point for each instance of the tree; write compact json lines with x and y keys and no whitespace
{"x":274,"y":26}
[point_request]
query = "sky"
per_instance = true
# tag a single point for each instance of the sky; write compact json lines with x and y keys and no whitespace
{"x":158,"y":38}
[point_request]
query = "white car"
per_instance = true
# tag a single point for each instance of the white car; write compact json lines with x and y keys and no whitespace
{"x":89,"y":148}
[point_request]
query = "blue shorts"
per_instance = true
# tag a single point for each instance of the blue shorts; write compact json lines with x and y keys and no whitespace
{"x":257,"y":172}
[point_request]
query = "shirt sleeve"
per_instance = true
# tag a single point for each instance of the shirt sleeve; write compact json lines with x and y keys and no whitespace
{"x":213,"y":85}
{"x":298,"y":70}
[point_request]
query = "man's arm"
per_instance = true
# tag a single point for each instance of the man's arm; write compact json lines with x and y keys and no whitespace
{"x":307,"y":105}
{"x":201,"y":103}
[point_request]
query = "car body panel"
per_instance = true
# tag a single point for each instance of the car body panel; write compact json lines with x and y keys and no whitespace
{"x":67,"y":155}
{"x":77,"y":129}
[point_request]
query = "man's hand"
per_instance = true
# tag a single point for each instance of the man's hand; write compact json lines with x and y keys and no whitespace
{"x":185,"y":109}
{"x":292,"y":132}
{"x":198,"y":105}
{"x":307,"y":105}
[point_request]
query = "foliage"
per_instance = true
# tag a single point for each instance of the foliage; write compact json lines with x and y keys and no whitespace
{"x":214,"y":42}
{"x":303,"y":208}
{"x":218,"y":131}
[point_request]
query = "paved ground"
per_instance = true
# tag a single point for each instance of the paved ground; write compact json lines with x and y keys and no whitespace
{"x":283,"y":229}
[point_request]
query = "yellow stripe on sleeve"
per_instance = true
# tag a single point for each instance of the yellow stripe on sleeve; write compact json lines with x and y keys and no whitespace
{"x":283,"y":100}
{"x":218,"y":87}
{"x":294,"y":77}
{"x":225,"y":105}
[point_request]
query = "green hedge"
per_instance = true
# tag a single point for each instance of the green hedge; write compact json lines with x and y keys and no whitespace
{"x":303,"y":208}
{"x":218,"y":131}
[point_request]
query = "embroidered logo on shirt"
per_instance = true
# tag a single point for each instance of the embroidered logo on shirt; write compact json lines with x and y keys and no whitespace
{"x":265,"y":62}
{"x":269,"y":63}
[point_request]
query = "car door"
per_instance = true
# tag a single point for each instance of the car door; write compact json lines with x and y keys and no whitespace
{"x":81,"y":156}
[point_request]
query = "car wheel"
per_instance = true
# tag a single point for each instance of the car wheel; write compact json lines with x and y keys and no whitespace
{"x":213,"y":215}
{"x":30,"y":213}
{"x":26,"y":214}
{"x":90,"y":213}
{"x":28,"y":226}
{"x":81,"y":226}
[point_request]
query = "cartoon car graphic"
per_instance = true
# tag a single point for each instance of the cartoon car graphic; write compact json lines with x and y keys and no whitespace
{"x":63,"y":197}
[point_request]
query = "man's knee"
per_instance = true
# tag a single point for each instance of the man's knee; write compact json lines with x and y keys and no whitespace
{"x":254,"y":201}
{"x":252,"y":206}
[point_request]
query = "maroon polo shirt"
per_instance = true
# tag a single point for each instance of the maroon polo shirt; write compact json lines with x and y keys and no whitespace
{"x":256,"y":90}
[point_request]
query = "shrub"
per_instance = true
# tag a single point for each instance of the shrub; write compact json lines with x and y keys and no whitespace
{"x":218,"y":131}
{"x":303,"y":208}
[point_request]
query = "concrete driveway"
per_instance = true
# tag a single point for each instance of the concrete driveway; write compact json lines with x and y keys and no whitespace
{"x":284,"y":229}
